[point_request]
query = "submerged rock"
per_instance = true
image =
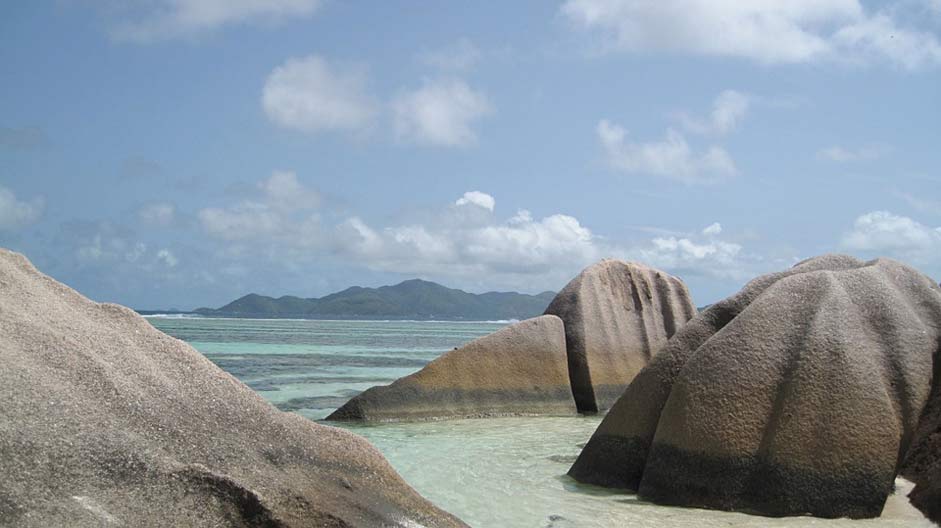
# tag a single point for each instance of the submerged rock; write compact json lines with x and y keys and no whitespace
{"x":797,"y":395}
{"x":617,"y":316}
{"x":105,"y":421}
{"x":518,"y":370}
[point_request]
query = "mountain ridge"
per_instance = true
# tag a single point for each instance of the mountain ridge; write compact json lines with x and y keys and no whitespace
{"x":411,"y":299}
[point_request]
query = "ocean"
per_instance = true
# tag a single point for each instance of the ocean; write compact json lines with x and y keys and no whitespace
{"x":499,"y":472}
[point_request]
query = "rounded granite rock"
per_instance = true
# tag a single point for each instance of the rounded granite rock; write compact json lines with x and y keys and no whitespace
{"x":617,"y":316}
{"x":106,"y":421}
{"x":518,"y":370}
{"x":922,"y":463}
{"x":798,"y":395}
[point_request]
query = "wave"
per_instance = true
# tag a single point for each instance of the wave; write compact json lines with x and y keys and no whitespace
{"x":435,"y":321}
{"x":173,"y":316}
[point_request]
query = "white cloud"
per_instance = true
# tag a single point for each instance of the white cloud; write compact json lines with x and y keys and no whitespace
{"x":894,"y":235}
{"x":685,"y":256}
{"x":728,"y":111}
{"x":15,"y":214}
{"x":280,"y":214}
{"x":311,"y":95}
{"x":477,"y":198}
{"x":157,"y":214}
{"x":713,"y":229}
{"x":525,"y":251}
{"x":161,"y":19}
{"x":284,"y":192}
{"x":879,"y":37}
{"x":442,"y":112}
{"x":670,"y":158}
{"x":846,"y":155}
{"x":554,"y":245}
{"x":461,"y":56}
{"x":768,"y":31}
{"x":167,"y":258}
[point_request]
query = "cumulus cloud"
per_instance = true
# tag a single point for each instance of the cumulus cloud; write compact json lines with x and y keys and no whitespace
{"x":685,"y":256}
{"x":847,"y":155}
{"x":713,"y":229}
{"x":441,"y":112}
{"x":311,"y":95}
{"x":795,"y":31}
{"x":521,"y":250}
{"x":461,"y":56}
{"x":157,"y":214}
{"x":520,"y":245}
{"x":670,"y":158}
{"x":284,"y":192}
{"x":477,"y":198}
{"x":728,"y":111}
{"x":282,"y":212}
{"x":15,"y":213}
{"x":894,"y":235}
{"x":162,"y":19}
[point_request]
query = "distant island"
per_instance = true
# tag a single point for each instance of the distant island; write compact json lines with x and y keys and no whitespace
{"x":412,"y":299}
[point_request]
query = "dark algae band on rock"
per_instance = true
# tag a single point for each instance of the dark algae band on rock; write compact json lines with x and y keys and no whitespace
{"x":617,"y":316}
{"x":518,"y":370}
{"x":105,"y":421}
{"x":801,"y":394}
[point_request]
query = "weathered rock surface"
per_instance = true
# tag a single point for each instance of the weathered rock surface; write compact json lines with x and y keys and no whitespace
{"x":617,"y":316}
{"x":518,"y":370}
{"x":105,"y":421}
{"x":800,"y":394}
{"x":923,"y":462}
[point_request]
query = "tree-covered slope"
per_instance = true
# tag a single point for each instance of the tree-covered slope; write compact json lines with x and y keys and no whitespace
{"x":412,"y":299}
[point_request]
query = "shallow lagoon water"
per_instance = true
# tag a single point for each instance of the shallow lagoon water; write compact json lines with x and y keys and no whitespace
{"x":499,"y":472}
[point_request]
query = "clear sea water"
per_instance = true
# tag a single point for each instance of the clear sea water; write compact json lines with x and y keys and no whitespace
{"x":492,"y":473}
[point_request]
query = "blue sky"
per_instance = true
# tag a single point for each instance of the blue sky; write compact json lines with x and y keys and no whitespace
{"x":181,"y":153}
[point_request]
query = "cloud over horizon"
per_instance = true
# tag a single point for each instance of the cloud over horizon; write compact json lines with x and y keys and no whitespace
{"x":465,"y":240}
{"x":881,"y":233}
{"x":282,"y":215}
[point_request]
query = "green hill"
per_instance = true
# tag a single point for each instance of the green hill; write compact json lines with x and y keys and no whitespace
{"x":412,"y":299}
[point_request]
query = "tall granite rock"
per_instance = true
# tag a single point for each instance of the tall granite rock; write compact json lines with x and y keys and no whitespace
{"x":105,"y":421}
{"x":518,"y":370}
{"x":800,"y":394}
{"x":923,"y":461}
{"x":617,"y":316}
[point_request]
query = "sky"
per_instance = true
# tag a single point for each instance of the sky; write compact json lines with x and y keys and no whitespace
{"x":182,"y":153}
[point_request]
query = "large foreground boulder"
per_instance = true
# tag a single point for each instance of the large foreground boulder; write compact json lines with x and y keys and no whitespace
{"x":617,"y":316}
{"x":105,"y":421}
{"x":797,"y":395}
{"x":518,"y":370}
{"x":923,"y":462}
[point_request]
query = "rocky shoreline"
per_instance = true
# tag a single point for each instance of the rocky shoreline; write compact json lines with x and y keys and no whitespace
{"x":807,"y":392}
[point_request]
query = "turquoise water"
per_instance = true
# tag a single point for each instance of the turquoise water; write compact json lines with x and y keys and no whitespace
{"x":501,"y":472}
